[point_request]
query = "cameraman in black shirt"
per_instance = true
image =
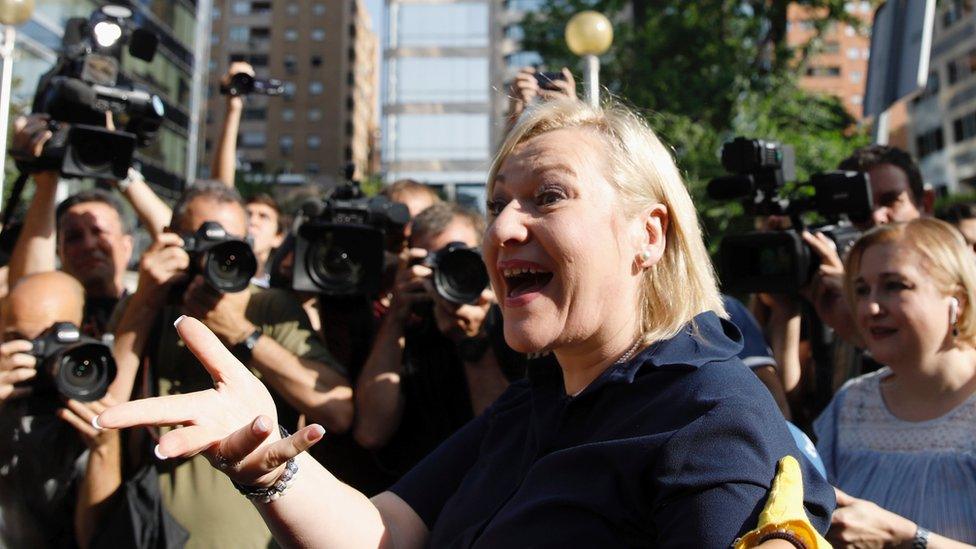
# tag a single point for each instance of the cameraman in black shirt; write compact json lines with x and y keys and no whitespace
{"x":434,"y":364}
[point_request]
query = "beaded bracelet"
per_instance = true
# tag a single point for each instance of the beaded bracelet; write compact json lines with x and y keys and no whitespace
{"x":273,"y":492}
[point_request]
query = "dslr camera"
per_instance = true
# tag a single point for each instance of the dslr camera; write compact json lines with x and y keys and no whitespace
{"x":344,"y":243}
{"x":780,"y":261}
{"x":226,"y":263}
{"x":460,"y":274}
{"x":242,"y":83}
{"x":76,"y":366}
{"x":83,"y":85}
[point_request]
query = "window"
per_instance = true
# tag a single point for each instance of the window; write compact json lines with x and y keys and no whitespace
{"x":255,"y":113}
{"x":291,"y":64}
{"x":929,"y":142}
{"x":292,"y":8}
{"x":316,"y":61}
{"x":964,"y":128}
{"x":315,"y":87}
{"x":287,"y":114}
{"x":286,"y":143}
{"x":318,"y":8}
{"x":856,"y":76}
{"x":312,"y":168}
{"x":314,"y":115}
{"x":261,"y":8}
{"x":313,"y":141}
{"x":523,"y":59}
{"x":514,"y":32}
{"x":215,"y":13}
{"x":823,"y":71}
{"x":291,"y":35}
{"x":956,"y":10}
{"x":214,"y":39}
{"x":830,"y":46}
{"x":856,"y":100}
{"x":961,"y":67}
{"x":239,"y":34}
{"x":853,"y":53}
{"x":253,"y":139}
{"x":241,"y":8}
{"x":289,"y":90}
{"x":318,"y":35}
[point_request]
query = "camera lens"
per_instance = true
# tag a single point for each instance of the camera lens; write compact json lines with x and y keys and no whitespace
{"x":334,"y":267}
{"x":230,"y":266}
{"x":84,"y":371}
{"x":93,"y":155}
{"x":460,"y":276}
{"x":241,"y":84}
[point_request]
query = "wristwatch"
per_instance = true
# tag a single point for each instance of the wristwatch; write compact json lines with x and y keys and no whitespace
{"x":245,"y":349}
{"x":471,"y":349}
{"x":921,"y":539}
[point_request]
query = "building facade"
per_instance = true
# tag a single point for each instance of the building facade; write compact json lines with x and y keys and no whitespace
{"x":326,"y":53}
{"x":437,"y":100}
{"x":943,"y":116}
{"x":167,"y":162}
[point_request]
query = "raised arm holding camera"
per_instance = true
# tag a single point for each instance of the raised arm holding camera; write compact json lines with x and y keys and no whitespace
{"x":531,"y":85}
{"x":223,"y":167}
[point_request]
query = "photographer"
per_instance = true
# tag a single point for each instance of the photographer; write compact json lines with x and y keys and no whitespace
{"x":51,"y":493}
{"x":267,"y":231}
{"x":429,"y":373}
{"x":266,"y":329}
{"x":94,"y":243}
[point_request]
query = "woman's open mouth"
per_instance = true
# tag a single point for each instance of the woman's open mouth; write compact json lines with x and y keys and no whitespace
{"x":524,"y":281}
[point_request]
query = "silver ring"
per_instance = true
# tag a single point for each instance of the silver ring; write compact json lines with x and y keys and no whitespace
{"x":223,"y":463}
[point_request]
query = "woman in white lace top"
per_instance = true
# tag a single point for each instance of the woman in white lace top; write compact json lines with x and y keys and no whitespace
{"x":900,"y":443}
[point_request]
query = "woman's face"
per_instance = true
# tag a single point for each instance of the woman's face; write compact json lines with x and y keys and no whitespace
{"x":559,"y":248}
{"x":902,"y":315}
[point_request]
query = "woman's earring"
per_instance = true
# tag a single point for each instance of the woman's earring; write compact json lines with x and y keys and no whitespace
{"x":645,"y":256}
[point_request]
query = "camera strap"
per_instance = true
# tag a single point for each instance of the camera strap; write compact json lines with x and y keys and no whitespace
{"x":14,"y":200}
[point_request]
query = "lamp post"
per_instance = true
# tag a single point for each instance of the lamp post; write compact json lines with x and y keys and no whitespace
{"x":12,"y":12}
{"x":589,"y":34}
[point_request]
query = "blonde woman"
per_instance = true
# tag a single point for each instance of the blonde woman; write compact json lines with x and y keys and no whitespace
{"x":900,"y":443}
{"x":650,"y":431}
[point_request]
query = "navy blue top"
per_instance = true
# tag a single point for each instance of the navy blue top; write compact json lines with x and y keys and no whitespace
{"x":755,"y":352}
{"x":677,"y":447}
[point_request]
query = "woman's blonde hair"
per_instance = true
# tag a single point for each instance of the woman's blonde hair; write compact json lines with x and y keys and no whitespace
{"x":944,"y":255}
{"x":682,"y":284}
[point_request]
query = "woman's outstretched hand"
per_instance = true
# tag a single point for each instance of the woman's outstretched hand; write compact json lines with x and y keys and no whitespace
{"x":235,"y":424}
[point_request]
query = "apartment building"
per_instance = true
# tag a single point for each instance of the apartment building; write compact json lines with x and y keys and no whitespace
{"x":326,"y":53}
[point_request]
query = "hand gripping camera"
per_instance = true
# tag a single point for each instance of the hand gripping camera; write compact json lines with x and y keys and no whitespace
{"x":780,"y":261}
{"x":74,"y":365}
{"x":226,"y":263}
{"x":83,"y":85}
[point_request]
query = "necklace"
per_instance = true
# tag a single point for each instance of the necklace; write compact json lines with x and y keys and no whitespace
{"x":623,"y":358}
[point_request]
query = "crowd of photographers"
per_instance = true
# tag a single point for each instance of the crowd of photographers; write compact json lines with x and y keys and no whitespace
{"x":373,"y":318}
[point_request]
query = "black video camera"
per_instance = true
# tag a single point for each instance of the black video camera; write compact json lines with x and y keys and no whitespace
{"x":83,"y":85}
{"x":244,"y":84}
{"x":226,"y":263}
{"x":459,"y":273}
{"x":344,"y":243}
{"x":76,"y":366}
{"x":780,"y":261}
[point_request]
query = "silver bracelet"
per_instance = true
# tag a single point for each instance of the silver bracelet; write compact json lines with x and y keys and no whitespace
{"x":921,"y":539}
{"x":273,"y":492}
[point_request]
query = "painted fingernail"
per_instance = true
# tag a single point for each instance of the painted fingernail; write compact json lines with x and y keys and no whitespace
{"x":176,"y":322}
{"x":317,"y":431}
{"x":159,"y":455}
{"x":261,"y":424}
{"x":95,"y":424}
